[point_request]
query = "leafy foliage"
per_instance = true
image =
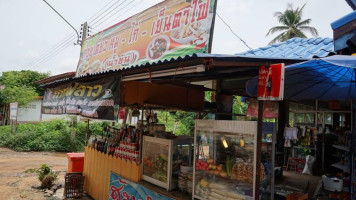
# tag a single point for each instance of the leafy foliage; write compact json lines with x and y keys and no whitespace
{"x":185,"y":120}
{"x":47,"y":136}
{"x":45,"y":174}
{"x":292,"y":25}
{"x":20,"y":86}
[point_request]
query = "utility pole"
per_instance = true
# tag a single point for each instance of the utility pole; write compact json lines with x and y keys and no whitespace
{"x":84,"y":33}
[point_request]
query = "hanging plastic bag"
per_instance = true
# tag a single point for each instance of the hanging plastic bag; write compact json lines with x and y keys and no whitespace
{"x":309,"y":161}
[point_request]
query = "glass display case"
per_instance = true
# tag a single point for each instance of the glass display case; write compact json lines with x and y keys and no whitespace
{"x":162,"y":159}
{"x":224,"y":161}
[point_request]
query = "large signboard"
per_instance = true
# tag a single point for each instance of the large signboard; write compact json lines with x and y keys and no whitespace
{"x":98,"y":99}
{"x":271,"y":82}
{"x":13,"y":111}
{"x":167,"y":30}
{"x":121,"y":188}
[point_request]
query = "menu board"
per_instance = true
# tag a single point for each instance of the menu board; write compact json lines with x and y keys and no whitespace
{"x":167,"y":30}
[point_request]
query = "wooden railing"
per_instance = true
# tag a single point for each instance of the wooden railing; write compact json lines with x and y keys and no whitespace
{"x":97,"y":169}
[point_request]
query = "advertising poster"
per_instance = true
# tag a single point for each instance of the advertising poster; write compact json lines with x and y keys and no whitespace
{"x":167,"y":30}
{"x":121,"y":189}
{"x":270,"y":109}
{"x":97,"y":99}
{"x":271,"y":82}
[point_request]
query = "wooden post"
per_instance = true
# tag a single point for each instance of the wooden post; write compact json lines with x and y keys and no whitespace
{"x":125,"y":118}
{"x":86,"y":134}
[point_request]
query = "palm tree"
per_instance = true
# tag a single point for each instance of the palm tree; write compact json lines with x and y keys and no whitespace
{"x":292,"y":25}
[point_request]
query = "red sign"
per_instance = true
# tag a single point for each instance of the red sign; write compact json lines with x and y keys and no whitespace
{"x":271,"y":82}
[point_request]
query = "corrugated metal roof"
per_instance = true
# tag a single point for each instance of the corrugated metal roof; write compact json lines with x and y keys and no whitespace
{"x":216,"y":57}
{"x":343,"y":20}
{"x":295,"y":48}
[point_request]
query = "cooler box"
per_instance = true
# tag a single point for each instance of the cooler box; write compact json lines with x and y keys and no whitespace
{"x":75,"y":162}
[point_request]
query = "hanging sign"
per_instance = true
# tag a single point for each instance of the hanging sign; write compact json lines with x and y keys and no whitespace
{"x":167,"y":30}
{"x":98,"y":99}
{"x":13,"y":111}
{"x":121,"y":188}
{"x":271,"y":82}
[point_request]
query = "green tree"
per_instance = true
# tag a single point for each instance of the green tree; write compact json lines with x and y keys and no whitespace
{"x":19,"y":87}
{"x":292,"y":25}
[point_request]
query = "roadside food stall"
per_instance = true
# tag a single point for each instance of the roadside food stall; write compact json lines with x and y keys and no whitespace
{"x":158,"y":64}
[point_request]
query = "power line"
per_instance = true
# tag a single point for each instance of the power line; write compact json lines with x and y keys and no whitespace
{"x":117,"y":13}
{"x":93,"y":23}
{"x":59,"y":47}
{"x":65,"y":39}
{"x":53,"y":54}
{"x":55,"y":51}
{"x":233,"y":31}
{"x":101,"y":10}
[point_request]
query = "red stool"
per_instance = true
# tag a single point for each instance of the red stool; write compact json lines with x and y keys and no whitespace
{"x":299,"y":165}
{"x":291,"y":164}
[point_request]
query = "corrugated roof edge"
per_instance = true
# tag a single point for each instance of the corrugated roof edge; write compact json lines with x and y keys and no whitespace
{"x":187,"y":57}
{"x":352,"y":4}
{"x":343,"y":20}
{"x":323,"y":43}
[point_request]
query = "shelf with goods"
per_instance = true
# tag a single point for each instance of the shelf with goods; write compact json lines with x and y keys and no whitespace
{"x":342,"y":147}
{"x":340,"y":166}
{"x":224,"y":160}
{"x":343,"y":153}
{"x":163,"y":158}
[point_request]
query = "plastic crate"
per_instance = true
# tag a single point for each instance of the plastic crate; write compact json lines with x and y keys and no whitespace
{"x":73,"y":186}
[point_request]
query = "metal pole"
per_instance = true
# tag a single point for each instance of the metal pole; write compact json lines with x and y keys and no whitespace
{"x":256,"y":189}
{"x":212,"y":27}
{"x":141,"y":136}
{"x":352,"y":150}
{"x":274,"y":137}
{"x":78,"y":41}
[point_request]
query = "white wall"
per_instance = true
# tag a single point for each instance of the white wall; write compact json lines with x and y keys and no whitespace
{"x":32,"y":113}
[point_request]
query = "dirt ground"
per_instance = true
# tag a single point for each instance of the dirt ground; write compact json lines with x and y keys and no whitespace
{"x":16,"y":184}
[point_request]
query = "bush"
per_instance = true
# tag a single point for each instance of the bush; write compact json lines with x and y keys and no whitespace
{"x":52,"y":135}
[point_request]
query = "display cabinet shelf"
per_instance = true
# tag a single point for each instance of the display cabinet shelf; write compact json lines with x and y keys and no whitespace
{"x":343,"y":167}
{"x":344,"y":148}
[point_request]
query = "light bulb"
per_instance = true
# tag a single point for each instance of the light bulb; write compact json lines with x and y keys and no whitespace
{"x":242,"y":142}
{"x":224,"y":142}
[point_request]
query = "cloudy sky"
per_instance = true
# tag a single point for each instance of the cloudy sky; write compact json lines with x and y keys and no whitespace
{"x":33,"y":36}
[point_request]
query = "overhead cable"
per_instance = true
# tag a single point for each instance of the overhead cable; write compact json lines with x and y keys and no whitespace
{"x":243,"y":41}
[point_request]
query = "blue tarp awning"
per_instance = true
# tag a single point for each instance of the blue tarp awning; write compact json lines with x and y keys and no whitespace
{"x":330,"y":78}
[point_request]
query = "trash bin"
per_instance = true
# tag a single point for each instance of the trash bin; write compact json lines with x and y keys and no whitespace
{"x":75,"y":162}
